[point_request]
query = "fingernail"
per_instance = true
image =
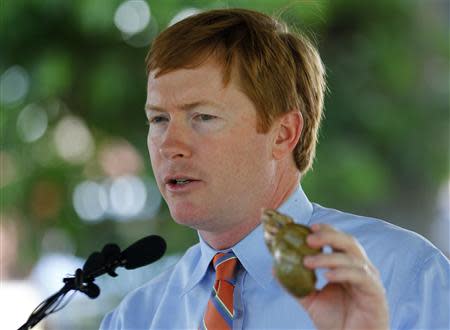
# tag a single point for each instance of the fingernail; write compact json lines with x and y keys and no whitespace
{"x":315,"y":227}
{"x":310,"y":238}
{"x":308,"y":260}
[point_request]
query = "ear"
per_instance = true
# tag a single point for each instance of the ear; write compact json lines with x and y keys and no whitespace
{"x":287,"y":133}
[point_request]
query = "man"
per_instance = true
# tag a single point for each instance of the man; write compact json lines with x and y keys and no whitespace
{"x":234,"y":102}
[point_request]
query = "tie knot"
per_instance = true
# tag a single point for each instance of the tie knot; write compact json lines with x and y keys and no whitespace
{"x":225,"y":266}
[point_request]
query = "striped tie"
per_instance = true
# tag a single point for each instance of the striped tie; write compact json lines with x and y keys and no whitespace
{"x":219,"y":312}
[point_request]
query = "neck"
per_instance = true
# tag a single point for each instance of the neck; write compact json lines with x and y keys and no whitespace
{"x":231,"y":236}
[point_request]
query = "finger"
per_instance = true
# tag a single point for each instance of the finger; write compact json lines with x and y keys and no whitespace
{"x":331,"y":260}
{"x":364,"y":277}
{"x":326,"y":235}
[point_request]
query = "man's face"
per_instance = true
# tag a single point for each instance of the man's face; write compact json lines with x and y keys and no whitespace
{"x":212,"y":167}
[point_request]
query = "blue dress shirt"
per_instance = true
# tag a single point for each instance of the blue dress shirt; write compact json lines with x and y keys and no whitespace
{"x":415,"y":275}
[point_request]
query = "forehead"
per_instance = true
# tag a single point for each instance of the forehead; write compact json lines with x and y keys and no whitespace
{"x":188,"y":85}
{"x":203,"y":85}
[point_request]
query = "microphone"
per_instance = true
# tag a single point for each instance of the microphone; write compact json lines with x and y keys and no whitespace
{"x":139,"y":254}
{"x":143,"y":252}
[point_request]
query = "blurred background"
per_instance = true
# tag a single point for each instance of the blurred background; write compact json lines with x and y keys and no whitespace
{"x":75,"y":172}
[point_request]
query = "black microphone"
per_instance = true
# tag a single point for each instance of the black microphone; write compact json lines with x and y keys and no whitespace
{"x":141,"y":253}
{"x":94,"y":261}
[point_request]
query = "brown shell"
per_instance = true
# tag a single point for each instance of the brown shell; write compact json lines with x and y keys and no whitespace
{"x":286,"y":241}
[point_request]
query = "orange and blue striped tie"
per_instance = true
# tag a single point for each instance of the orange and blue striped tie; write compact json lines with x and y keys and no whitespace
{"x":220,"y":312}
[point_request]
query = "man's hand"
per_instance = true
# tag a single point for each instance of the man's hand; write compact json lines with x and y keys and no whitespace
{"x":354,"y":296}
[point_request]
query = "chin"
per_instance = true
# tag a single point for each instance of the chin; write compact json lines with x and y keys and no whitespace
{"x":187,"y":215}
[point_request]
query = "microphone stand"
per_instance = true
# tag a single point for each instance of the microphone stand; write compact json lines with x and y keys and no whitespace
{"x":51,"y":304}
{"x":149,"y":249}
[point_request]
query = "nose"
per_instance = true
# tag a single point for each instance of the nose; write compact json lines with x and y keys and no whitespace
{"x":176,"y":142}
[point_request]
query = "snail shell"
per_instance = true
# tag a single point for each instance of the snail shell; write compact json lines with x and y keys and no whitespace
{"x":286,"y":241}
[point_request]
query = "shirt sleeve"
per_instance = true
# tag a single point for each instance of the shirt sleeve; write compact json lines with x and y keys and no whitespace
{"x":106,"y":322}
{"x":132,"y":313}
{"x":425,"y":300}
{"x":111,"y":321}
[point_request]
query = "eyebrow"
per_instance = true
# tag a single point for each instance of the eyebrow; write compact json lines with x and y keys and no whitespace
{"x":185,"y":106}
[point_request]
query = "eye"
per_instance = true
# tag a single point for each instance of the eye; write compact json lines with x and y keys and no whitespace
{"x":157,"y":119}
{"x":205,"y":117}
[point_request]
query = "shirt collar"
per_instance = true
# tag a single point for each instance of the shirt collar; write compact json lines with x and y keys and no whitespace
{"x":298,"y":207}
{"x":199,"y":271}
{"x":251,"y":250}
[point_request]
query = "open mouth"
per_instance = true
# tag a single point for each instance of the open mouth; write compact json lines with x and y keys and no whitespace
{"x":180,"y":182}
